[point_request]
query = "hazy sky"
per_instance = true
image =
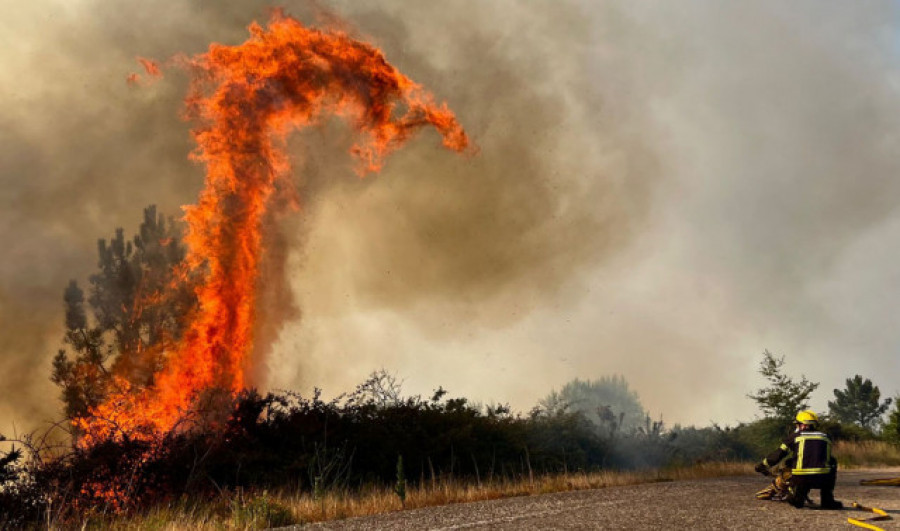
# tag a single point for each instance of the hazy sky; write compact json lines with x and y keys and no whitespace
{"x":663,"y":191}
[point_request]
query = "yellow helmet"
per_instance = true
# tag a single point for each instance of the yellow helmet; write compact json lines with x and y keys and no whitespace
{"x":807,"y":417}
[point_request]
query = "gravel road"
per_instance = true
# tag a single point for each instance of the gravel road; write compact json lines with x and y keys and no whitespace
{"x":722,"y":503}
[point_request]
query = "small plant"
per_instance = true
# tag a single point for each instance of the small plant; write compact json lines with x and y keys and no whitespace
{"x":400,"y":486}
{"x":318,"y":490}
{"x":260,"y":512}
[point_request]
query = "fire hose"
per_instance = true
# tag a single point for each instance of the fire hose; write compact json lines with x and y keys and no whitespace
{"x":880,"y":516}
{"x":887,"y":482}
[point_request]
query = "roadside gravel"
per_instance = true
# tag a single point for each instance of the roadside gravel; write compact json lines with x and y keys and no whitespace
{"x":720,"y":503}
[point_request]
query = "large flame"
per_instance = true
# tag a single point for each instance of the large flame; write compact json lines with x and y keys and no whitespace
{"x":246,"y":99}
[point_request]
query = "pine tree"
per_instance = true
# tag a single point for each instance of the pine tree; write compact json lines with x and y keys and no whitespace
{"x":84,"y":378}
{"x":860,"y":403}
{"x":136,"y":305}
{"x":607,"y":402}
{"x":891,"y":429}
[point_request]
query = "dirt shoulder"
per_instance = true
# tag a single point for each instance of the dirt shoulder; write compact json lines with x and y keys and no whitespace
{"x":721,"y":503}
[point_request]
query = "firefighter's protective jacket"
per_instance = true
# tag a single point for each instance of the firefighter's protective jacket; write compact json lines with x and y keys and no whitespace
{"x":810,"y":452}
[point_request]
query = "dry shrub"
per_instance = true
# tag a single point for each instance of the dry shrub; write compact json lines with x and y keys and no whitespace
{"x":852,"y":454}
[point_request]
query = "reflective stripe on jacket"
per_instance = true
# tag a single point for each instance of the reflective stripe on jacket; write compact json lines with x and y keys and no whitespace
{"x":811,"y":451}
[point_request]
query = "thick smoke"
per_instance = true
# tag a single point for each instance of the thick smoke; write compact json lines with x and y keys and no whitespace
{"x":663,"y":190}
{"x":416,"y":270}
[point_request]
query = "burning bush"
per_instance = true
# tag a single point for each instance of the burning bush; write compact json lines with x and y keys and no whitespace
{"x":245,"y":100}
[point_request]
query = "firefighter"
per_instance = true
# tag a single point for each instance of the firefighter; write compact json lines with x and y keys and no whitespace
{"x":813,"y":465}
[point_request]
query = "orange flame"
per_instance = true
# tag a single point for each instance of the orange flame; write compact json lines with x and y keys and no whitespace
{"x":150,"y":66}
{"x":246,"y":99}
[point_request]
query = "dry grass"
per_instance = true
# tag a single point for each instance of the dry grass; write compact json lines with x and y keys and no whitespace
{"x":261,"y":510}
{"x":855,"y":454}
{"x":265,"y":510}
{"x":375,"y":501}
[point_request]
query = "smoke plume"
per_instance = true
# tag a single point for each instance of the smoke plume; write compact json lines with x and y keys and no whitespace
{"x":662,"y":191}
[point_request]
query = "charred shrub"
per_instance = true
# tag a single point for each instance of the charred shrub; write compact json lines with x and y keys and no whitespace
{"x":20,"y":497}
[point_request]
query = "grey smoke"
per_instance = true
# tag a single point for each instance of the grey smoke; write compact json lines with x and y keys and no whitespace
{"x":663,"y":191}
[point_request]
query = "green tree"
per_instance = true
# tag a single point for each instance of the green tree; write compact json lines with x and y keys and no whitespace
{"x":860,"y":403}
{"x":607,"y":402}
{"x":137,"y":302}
{"x":891,"y":429}
{"x":84,"y":377}
{"x":783,"y":397}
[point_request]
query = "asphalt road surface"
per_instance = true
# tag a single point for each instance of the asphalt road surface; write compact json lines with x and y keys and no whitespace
{"x":721,"y":503}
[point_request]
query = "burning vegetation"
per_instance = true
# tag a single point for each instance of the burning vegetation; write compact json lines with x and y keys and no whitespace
{"x":185,"y":340}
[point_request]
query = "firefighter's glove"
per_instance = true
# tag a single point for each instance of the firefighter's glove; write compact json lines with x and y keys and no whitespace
{"x":762,"y":469}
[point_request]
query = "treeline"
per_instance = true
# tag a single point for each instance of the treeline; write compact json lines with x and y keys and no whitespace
{"x":287,"y":441}
{"x":296,"y":443}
